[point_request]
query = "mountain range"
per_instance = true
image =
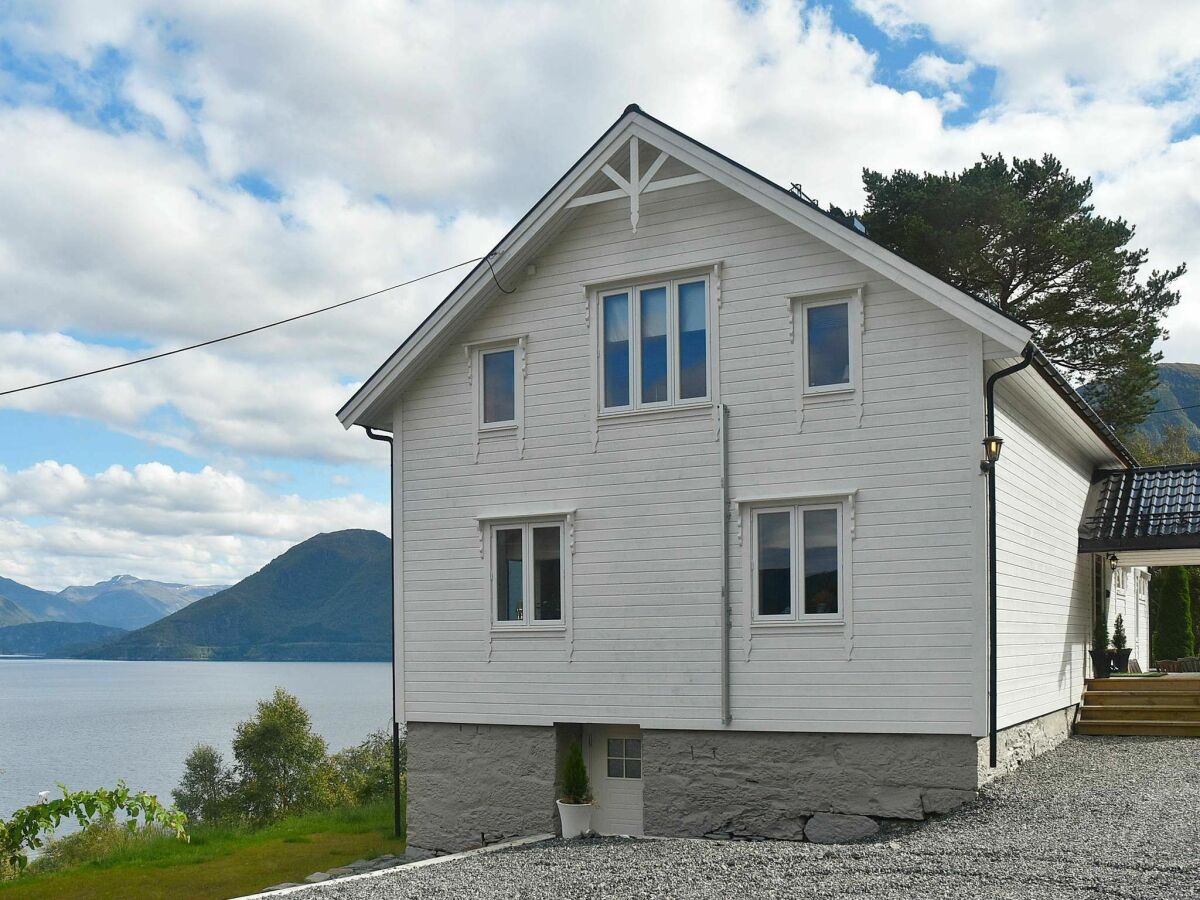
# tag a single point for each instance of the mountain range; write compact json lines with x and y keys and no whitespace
{"x":328,"y":598}
{"x":1178,"y":386}
{"x":121,"y":602}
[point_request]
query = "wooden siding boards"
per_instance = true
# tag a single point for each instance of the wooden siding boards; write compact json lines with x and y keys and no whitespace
{"x":643,"y":644}
{"x":1043,"y":583}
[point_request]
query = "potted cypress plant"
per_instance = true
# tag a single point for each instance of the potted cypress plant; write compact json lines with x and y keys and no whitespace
{"x":1119,"y":655}
{"x":575,"y":794}
{"x":1099,"y":651}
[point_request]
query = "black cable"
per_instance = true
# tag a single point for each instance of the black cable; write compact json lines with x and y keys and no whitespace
{"x":488,"y":260}
{"x":1173,"y":409}
{"x":229,"y":337}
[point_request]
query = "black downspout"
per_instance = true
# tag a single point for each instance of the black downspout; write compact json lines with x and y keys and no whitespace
{"x":397,"y":814}
{"x":990,"y":471}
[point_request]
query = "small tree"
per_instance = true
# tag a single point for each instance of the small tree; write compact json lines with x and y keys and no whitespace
{"x":1119,"y":640}
{"x":1173,"y":634}
{"x":574,"y":787}
{"x":279,"y":762}
{"x":364,"y":772}
{"x":206,"y":791}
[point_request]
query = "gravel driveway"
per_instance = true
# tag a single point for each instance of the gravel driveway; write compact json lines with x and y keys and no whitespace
{"x":1117,"y":817}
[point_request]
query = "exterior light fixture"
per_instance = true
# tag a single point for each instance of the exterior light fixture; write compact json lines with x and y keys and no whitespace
{"x":991,"y":452}
{"x":1113,"y":562}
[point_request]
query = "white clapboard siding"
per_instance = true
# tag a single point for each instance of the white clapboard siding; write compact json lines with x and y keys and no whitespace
{"x":645,"y":641}
{"x":1043,"y":583}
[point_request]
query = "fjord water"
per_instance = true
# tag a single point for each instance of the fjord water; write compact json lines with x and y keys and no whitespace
{"x":87,"y":723}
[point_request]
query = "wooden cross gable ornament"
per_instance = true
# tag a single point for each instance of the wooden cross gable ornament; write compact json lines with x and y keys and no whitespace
{"x":638,"y":182}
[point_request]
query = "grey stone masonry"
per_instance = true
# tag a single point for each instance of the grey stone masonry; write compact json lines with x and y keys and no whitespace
{"x":1020,"y":743}
{"x":473,"y":784}
{"x":767,"y":784}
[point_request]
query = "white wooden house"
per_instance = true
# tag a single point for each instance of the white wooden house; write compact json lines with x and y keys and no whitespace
{"x":690,"y":470}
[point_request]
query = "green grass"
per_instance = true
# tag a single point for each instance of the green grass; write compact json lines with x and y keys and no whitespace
{"x":1136,"y":674}
{"x":220,"y":861}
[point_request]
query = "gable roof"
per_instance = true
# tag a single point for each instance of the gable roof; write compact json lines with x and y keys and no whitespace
{"x":372,"y":403}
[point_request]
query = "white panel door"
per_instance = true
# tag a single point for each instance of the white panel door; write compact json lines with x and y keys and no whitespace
{"x":614,"y":761}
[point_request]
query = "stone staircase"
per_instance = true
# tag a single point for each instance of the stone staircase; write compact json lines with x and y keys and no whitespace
{"x":1169,"y":705}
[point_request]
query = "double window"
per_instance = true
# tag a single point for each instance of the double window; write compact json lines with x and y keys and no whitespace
{"x":654,"y":345}
{"x":798,"y":563}
{"x":527,"y":574}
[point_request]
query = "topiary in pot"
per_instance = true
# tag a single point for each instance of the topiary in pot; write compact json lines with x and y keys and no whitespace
{"x":1119,"y":655}
{"x":575,"y":794}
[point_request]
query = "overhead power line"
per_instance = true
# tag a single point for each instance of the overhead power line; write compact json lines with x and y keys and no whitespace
{"x":230,"y":337}
{"x":1174,"y":409}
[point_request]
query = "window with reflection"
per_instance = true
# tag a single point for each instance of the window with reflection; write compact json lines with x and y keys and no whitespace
{"x":798,"y":563}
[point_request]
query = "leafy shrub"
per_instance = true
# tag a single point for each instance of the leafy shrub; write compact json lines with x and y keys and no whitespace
{"x":99,"y":841}
{"x":206,"y":792}
{"x":1119,"y":640}
{"x":363,"y":773}
{"x":1173,"y":635}
{"x":574,"y":787}
{"x":31,"y":827}
{"x":279,"y":762}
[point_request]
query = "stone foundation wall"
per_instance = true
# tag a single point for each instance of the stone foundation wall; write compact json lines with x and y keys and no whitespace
{"x":766,"y":784}
{"x":1020,"y":743}
{"x":468,"y":781}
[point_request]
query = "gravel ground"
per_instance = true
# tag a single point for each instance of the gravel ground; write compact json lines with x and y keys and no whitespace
{"x":1117,"y":817}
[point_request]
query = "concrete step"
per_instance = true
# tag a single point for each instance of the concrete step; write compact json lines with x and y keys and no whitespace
{"x":1113,"y":712}
{"x":1135,"y":727}
{"x":1141,"y":698}
{"x":1182,"y":683}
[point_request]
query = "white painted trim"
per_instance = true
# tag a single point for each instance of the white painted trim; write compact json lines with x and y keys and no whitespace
{"x":362,"y":408}
{"x":382,"y":873}
{"x":798,"y":307}
{"x":528,"y":626}
{"x":398,"y":562}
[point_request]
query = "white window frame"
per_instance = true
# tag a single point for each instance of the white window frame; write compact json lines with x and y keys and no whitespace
{"x":842,"y":504}
{"x":853,"y":337}
{"x":527,"y":623}
{"x":480,"y":353}
{"x":634,"y":289}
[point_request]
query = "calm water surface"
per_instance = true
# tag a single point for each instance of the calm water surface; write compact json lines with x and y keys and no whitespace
{"x":87,"y":723}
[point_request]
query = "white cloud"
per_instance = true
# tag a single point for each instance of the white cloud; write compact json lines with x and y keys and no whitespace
{"x":155,"y":522}
{"x":404,"y":137}
{"x":939,"y":72}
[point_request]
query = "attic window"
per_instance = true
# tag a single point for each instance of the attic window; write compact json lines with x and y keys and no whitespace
{"x":654,"y":345}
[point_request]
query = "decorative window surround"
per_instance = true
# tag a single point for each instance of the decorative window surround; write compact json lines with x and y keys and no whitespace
{"x":474,"y":352}
{"x":745,"y":507}
{"x":852,"y":295}
{"x":594,"y":320}
{"x":520,"y":516}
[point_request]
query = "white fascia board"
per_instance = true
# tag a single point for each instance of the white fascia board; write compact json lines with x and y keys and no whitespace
{"x":951,"y":300}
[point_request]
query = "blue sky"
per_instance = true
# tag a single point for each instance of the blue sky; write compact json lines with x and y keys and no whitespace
{"x":177,"y":171}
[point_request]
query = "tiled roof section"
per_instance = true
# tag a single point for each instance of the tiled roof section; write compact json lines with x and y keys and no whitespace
{"x":1149,"y":508}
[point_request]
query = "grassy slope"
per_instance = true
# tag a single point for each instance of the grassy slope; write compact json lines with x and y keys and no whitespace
{"x":221,"y":862}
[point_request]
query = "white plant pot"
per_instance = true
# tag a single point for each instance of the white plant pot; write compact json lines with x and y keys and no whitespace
{"x":576,"y":818}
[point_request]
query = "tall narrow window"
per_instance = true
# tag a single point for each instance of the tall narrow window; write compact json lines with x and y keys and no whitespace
{"x":510,"y":581}
{"x":774,"y":538}
{"x":616,"y":350}
{"x":499,"y":387}
{"x":693,"y":341}
{"x":827,"y":345}
{"x":821,"y":576}
{"x":547,"y":573}
{"x":653,"y":313}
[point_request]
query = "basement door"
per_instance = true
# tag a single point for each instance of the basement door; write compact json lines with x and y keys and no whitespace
{"x":614,"y":766}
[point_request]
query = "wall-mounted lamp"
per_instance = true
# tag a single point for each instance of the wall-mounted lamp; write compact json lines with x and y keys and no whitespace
{"x":991,"y":452}
{"x":1113,"y":562}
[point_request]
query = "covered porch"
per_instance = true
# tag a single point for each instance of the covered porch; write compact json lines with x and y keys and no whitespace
{"x":1142,"y":517}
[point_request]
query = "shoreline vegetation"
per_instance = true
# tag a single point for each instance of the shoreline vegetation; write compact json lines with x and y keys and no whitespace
{"x":283,"y":807}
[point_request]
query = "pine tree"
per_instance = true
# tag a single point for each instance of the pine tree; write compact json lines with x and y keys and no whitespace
{"x":574,"y":781}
